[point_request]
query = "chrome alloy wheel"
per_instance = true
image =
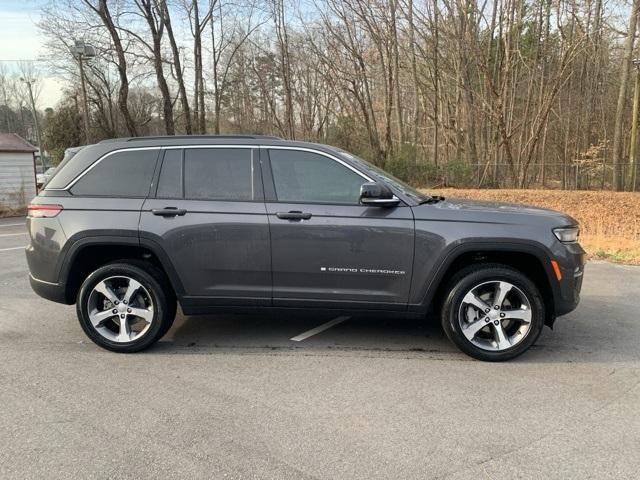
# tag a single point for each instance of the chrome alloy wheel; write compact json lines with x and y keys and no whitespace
{"x":120,"y":309}
{"x":495,"y":315}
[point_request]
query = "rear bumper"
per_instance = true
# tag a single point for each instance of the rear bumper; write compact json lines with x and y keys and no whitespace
{"x":51,"y":291}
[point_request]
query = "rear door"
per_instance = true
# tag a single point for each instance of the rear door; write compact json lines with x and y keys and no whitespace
{"x":103,"y":202}
{"x":326,"y":248}
{"x":209,"y":219}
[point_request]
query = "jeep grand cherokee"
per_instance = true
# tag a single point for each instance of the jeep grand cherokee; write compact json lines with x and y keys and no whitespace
{"x":128,"y":228}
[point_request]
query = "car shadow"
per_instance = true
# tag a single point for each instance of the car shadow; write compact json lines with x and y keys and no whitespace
{"x":274,"y":332}
{"x":592,"y":333}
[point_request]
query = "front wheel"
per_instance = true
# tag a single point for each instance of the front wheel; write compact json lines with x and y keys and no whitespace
{"x":125,"y":307}
{"x":493,"y":312}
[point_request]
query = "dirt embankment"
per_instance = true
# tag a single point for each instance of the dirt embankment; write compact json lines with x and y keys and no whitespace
{"x":610,"y":222}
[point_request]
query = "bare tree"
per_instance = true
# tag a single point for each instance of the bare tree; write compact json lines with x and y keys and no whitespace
{"x":229,"y":34}
{"x":454,"y":92}
{"x":198,"y":22}
{"x":618,"y":176}
{"x":165,"y":16}
{"x":102,"y":9}
{"x":281,"y":28}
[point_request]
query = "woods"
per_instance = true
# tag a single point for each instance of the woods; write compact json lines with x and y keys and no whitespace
{"x":440,"y":92}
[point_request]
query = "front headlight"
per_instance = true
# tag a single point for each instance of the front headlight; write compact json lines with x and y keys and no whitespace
{"x":567,"y":234}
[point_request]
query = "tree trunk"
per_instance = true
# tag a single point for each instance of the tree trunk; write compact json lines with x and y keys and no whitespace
{"x":618,"y":140}
{"x":285,"y":65}
{"x":396,"y":65}
{"x":123,"y":92}
{"x":157,"y":30}
{"x":184,"y":99}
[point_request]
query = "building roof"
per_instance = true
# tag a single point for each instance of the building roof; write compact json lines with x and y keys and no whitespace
{"x":12,"y":142}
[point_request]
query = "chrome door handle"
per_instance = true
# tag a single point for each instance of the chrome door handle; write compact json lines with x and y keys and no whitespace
{"x":169,"y":211}
{"x":293,"y":215}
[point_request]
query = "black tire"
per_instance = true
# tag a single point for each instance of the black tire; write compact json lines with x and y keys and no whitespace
{"x":153,"y":280}
{"x":467,"y":279}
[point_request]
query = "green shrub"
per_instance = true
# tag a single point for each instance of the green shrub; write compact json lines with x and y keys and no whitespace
{"x":457,"y":173}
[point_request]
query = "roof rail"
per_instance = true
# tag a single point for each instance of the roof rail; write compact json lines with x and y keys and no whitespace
{"x":190,"y":137}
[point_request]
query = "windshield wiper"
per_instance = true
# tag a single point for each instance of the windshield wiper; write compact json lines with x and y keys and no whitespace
{"x":432,"y":199}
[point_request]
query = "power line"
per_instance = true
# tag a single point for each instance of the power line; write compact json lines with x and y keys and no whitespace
{"x":22,"y":60}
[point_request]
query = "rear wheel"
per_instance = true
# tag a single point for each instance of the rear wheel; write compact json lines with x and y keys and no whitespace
{"x":493,"y":312}
{"x":125,"y":307}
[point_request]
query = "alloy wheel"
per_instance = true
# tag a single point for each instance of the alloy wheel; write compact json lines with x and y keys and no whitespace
{"x":495,"y":315}
{"x":120,"y":309}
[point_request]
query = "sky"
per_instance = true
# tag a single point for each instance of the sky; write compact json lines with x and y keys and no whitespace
{"x":20,"y":40}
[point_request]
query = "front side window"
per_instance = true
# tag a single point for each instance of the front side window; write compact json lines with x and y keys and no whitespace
{"x":308,"y":177}
{"x":122,"y":174}
{"x":218,"y":174}
{"x":387,"y":177}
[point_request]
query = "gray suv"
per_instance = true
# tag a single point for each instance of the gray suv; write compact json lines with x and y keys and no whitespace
{"x":128,"y":228}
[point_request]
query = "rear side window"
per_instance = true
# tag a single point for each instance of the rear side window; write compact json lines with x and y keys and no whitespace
{"x":122,"y":174}
{"x":170,"y":181}
{"x":218,"y":174}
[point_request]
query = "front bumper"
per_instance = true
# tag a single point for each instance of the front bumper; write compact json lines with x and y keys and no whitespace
{"x":572,"y":268}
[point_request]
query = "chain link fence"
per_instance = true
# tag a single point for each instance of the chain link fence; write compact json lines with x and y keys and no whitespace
{"x":571,"y":176}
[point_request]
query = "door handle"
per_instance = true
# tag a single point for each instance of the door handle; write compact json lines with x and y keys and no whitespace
{"x":169,"y":211}
{"x":293,"y":215}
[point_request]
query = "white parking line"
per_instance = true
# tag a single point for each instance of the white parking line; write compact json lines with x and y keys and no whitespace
{"x":12,"y":225}
{"x":12,"y":248}
{"x":321,"y":328}
{"x":12,"y":234}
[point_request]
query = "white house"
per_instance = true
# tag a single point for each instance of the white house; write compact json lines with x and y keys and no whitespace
{"x":17,"y":172}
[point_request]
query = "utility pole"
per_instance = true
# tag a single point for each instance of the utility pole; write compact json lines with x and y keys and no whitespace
{"x":81,"y":52}
{"x":633,"y":164}
{"x":29,"y":81}
{"x":85,"y":104}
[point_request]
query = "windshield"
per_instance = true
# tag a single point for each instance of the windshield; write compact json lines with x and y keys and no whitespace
{"x":387,"y":177}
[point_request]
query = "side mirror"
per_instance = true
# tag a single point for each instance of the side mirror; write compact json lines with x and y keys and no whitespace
{"x":377,"y":195}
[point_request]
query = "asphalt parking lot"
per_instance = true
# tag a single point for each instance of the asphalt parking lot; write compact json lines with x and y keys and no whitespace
{"x":235,"y":397}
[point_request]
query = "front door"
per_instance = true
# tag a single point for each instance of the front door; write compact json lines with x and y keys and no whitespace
{"x":326,"y":248}
{"x":208,"y":216}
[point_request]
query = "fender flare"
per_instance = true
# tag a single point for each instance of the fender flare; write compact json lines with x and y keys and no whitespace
{"x":493,"y":245}
{"x":76,"y":245}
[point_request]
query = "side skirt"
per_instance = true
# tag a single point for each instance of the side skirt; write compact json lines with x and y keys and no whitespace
{"x":188,"y":308}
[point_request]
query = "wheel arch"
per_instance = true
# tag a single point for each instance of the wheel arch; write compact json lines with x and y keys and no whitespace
{"x":89,"y":253}
{"x":530,"y":258}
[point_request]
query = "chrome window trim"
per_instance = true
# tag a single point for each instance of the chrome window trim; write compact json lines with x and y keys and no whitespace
{"x":253,"y":174}
{"x":94,"y":164}
{"x":324,"y":154}
{"x":175,"y":147}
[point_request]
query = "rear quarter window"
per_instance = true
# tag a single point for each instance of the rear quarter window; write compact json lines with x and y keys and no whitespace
{"x":121,"y":174}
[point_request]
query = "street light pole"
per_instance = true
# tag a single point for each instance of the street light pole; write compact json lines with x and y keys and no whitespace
{"x":633,"y":164}
{"x":85,"y":104}
{"x":29,"y":81}
{"x":82,"y":52}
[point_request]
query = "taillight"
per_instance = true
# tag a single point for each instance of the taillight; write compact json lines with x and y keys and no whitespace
{"x":43,"y":211}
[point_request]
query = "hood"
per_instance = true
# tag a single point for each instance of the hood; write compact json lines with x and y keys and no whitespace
{"x":495,"y":207}
{"x":458,"y":209}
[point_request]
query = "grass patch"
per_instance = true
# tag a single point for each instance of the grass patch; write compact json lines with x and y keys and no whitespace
{"x":12,"y":212}
{"x":609,"y":221}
